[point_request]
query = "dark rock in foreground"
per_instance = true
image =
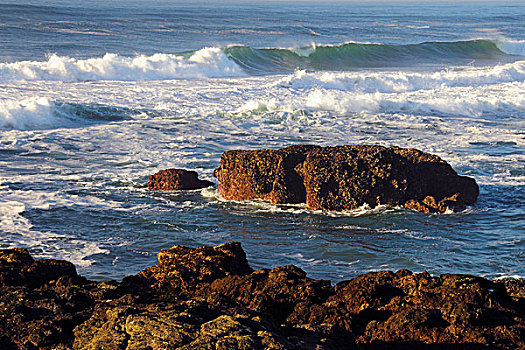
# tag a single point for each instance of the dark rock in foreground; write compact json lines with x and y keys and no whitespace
{"x":210,"y":298}
{"x":176,"y":179}
{"x":345,"y":178}
{"x":18,"y":268}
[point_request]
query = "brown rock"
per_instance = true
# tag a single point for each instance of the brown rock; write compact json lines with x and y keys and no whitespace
{"x":18,"y":268}
{"x":263,"y":174}
{"x":411,"y":309}
{"x":345,"y":178}
{"x":176,"y":179}
{"x":41,"y":318}
{"x":182,"y":270}
{"x":176,"y":325}
{"x":282,"y":291}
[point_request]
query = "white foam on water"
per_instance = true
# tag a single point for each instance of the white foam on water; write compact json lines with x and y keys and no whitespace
{"x":18,"y":230}
{"x":448,"y":101}
{"x":40,"y":113}
{"x":263,"y":206}
{"x":466,"y":92}
{"x":257,"y":112}
{"x":321,"y":262}
{"x":404,"y":81}
{"x":204,"y":63}
{"x":511,"y":242}
{"x":502,"y":276}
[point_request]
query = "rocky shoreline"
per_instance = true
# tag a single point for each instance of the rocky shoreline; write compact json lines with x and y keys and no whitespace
{"x":210,"y":298}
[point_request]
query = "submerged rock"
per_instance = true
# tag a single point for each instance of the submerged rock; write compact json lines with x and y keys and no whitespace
{"x":210,"y":298}
{"x":344,"y":178}
{"x":176,"y":179}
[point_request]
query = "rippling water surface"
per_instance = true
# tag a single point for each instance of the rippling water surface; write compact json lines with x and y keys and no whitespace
{"x":96,"y":97}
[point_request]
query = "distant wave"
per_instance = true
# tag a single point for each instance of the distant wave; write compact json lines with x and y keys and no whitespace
{"x":236,"y":61}
{"x":39,"y":113}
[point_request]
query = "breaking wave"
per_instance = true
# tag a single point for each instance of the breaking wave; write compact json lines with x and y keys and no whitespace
{"x":402,"y":81}
{"x":236,"y":61}
{"x":205,"y":63}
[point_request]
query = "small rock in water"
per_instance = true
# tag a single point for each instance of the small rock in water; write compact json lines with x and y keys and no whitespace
{"x":176,"y":179}
{"x":345,"y":178}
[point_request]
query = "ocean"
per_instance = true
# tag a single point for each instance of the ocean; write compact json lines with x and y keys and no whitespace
{"x":96,"y":96}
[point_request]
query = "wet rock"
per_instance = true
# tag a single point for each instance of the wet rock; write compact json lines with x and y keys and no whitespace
{"x":41,"y":318}
{"x":191,"y":324}
{"x":210,"y":298}
{"x":409,"y":309}
{"x":345,"y":178}
{"x":176,"y":179}
{"x":514,"y":286}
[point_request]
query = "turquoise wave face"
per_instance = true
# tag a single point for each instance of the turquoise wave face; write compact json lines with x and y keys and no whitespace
{"x":355,"y":55}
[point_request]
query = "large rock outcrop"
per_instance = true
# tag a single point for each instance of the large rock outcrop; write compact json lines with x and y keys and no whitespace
{"x":344,"y":178}
{"x":210,"y":298}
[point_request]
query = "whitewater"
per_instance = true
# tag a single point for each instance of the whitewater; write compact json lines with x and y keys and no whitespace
{"x":90,"y":106}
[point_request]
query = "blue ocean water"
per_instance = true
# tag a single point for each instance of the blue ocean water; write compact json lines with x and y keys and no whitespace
{"x":97,"y":96}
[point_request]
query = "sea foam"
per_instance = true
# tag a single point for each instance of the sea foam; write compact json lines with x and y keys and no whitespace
{"x":496,"y":90}
{"x":27,"y":114}
{"x":16,"y":227}
{"x":402,"y":81}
